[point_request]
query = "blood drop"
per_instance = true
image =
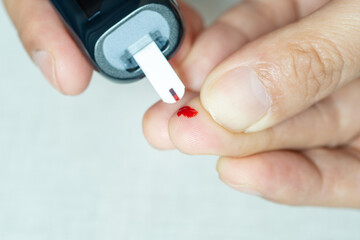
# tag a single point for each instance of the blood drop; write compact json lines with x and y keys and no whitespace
{"x":187,"y":112}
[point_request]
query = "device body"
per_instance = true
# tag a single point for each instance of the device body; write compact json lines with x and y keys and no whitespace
{"x":106,"y":29}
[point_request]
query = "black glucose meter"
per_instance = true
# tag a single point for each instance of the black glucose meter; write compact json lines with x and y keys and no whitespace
{"x":128,"y":39}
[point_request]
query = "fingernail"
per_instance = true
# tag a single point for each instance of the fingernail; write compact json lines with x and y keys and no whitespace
{"x":46,"y":64}
{"x":237,"y":100}
{"x":247,"y":189}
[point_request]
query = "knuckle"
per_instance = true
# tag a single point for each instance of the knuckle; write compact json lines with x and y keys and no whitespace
{"x":341,"y":121}
{"x":304,"y":69}
{"x":322,"y":111}
{"x":315,"y":65}
{"x":328,"y":114}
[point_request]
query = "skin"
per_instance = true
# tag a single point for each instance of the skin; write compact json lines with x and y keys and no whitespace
{"x":305,"y":148}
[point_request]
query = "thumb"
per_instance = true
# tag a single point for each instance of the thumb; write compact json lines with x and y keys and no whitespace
{"x":287,"y":71}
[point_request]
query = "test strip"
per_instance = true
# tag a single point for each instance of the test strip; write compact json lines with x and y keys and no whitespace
{"x":160,"y":73}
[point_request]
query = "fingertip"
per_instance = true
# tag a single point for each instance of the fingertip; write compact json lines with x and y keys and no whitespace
{"x":155,"y":126}
{"x":193,"y":132}
{"x":184,"y":131}
{"x":51,"y":47}
{"x":64,"y":67}
{"x":238,"y":172}
{"x":156,"y":122}
{"x":281,"y":176}
{"x":73,"y":69}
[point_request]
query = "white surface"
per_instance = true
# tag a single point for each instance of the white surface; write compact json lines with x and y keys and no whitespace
{"x":74,"y":168}
{"x":159,"y":72}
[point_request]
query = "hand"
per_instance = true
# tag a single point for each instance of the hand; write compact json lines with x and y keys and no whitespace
{"x":47,"y":41}
{"x":280,"y":94}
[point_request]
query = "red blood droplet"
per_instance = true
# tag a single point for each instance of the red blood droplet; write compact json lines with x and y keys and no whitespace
{"x":187,"y":112}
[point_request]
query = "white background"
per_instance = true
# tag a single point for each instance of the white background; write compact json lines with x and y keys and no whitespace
{"x":79,"y":168}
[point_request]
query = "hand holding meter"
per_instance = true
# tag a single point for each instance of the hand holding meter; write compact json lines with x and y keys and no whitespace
{"x":128,"y":39}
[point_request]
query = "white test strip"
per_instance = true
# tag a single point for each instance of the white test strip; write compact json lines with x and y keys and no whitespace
{"x":160,"y":73}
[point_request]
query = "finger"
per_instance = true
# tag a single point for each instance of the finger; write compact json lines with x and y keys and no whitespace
{"x":333,"y":122}
{"x":49,"y":44}
{"x":156,"y":122}
{"x":285,"y":72}
{"x":243,"y":23}
{"x":318,"y":177}
{"x":194,"y":25}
